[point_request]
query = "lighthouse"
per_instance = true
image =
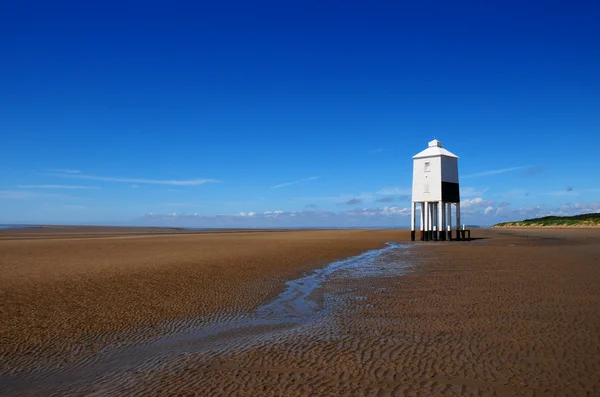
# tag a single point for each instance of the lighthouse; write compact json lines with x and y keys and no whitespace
{"x":436,"y":191}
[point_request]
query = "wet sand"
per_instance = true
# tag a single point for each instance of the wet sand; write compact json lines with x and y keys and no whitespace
{"x":64,"y":298}
{"x":66,"y":231}
{"x":516,"y":313}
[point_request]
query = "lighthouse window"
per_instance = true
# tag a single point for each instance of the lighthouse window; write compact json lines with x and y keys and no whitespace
{"x":427,"y":166}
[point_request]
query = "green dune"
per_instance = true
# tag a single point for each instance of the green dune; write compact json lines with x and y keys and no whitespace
{"x":574,"y":221}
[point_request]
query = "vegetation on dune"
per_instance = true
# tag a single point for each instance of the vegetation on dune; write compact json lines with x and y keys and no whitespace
{"x":569,"y":221}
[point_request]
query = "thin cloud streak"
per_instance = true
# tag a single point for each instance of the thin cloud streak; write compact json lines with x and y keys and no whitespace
{"x":394,"y":191}
{"x":571,"y":192}
{"x":74,"y":207}
{"x":312,"y":178}
{"x":471,"y":191}
{"x":494,"y":172}
{"x":18,"y":194}
{"x":188,"y":182}
{"x":58,"y":187}
{"x":341,"y":198}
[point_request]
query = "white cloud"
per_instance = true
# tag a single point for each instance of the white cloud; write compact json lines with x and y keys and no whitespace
{"x":477,"y":202}
{"x":377,"y":216}
{"x":312,"y":178}
{"x":58,"y":187}
{"x":578,"y":208}
{"x":487,"y":212}
{"x":274,"y":213}
{"x":174,"y":182}
{"x":378,"y":150}
{"x":477,"y":205}
{"x":474,"y":211}
{"x":494,"y":172}
{"x":67,"y":171}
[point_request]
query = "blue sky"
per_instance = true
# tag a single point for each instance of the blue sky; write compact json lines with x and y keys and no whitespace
{"x":297,"y":114}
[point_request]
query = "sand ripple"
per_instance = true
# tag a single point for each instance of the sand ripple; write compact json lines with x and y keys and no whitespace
{"x":511,"y":315}
{"x":292,"y":314}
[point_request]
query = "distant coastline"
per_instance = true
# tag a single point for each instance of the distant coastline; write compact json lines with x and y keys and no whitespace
{"x":577,"y":221}
{"x":99,"y":228}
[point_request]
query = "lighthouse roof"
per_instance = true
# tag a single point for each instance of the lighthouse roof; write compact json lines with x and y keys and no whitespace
{"x":435,"y":149}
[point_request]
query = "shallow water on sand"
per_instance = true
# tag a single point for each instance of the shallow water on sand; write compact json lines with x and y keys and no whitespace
{"x":301,"y":307}
{"x":296,"y":303}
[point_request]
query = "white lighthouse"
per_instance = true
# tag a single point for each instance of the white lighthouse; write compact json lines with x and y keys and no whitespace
{"x":435,"y":188}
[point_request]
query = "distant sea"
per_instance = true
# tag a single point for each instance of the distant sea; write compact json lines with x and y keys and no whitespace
{"x":18,"y":226}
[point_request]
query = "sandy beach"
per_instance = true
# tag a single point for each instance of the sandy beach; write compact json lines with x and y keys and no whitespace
{"x":65,"y":295}
{"x":515,"y":312}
